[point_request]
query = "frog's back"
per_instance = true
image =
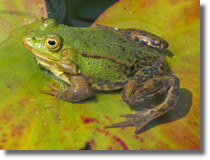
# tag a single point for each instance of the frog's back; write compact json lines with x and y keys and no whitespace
{"x":105,"y":57}
{"x":108,"y":44}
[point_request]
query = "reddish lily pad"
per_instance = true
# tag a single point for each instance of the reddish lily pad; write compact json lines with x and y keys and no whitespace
{"x":31,"y":120}
{"x":15,"y":14}
{"x":179,"y":23}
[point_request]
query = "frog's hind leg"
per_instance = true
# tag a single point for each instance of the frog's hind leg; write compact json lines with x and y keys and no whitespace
{"x":141,"y":36}
{"x":145,"y":92}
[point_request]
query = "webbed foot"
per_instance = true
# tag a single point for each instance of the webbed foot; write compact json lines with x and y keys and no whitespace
{"x":138,"y":119}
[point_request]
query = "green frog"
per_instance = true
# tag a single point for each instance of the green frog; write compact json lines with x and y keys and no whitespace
{"x":102,"y":58}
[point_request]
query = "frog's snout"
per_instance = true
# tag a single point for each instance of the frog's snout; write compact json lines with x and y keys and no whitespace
{"x":25,"y":39}
{"x":28,"y":41}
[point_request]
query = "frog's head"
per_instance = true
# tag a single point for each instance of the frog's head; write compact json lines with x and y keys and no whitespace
{"x":47,"y":44}
{"x":45,"y":41}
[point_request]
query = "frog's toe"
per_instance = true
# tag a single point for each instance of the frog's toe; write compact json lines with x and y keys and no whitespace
{"x":52,"y":87}
{"x":139,"y":120}
{"x":56,"y":92}
{"x":52,"y":93}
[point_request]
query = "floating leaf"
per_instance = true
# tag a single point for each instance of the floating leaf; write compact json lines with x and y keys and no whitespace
{"x":31,"y":120}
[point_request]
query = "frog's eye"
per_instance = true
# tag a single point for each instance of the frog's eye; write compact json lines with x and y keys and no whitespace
{"x":53,"y":43}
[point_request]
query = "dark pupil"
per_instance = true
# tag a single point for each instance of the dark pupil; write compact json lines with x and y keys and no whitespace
{"x":51,"y":42}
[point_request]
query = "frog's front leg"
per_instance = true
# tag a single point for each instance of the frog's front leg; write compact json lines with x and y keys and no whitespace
{"x":80,"y":89}
{"x":144,"y":92}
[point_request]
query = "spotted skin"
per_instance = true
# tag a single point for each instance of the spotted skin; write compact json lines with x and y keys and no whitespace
{"x":141,"y":36}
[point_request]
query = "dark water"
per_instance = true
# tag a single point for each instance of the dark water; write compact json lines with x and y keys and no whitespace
{"x":78,"y":13}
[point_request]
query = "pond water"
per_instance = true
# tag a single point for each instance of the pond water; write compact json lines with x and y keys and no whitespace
{"x":78,"y":13}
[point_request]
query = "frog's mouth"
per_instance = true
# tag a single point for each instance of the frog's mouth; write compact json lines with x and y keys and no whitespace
{"x":55,"y":65}
{"x":37,"y":53}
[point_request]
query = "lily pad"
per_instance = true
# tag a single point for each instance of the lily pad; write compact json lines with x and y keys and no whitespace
{"x":31,"y":120}
{"x":178,"y":22}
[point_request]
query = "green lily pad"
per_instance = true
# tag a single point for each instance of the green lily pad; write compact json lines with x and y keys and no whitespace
{"x":34,"y":121}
